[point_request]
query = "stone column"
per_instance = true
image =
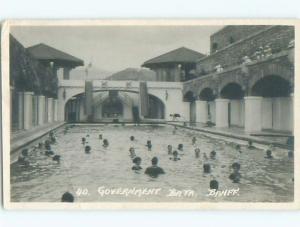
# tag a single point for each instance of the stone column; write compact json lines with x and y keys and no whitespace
{"x":201,"y":111}
{"x":222,"y":113}
{"x":41,"y":110}
{"x":50,"y":110}
{"x":28,"y":110}
{"x":253,"y":108}
{"x":55,"y":113}
{"x":20,"y":110}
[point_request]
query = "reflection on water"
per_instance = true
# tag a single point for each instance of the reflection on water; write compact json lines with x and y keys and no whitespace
{"x":44,"y":180}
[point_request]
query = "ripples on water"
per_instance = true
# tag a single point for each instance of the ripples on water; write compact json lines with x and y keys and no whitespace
{"x":262,"y":180}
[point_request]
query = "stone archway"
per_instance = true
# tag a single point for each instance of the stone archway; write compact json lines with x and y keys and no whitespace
{"x":277,"y":103}
{"x":234,"y":94}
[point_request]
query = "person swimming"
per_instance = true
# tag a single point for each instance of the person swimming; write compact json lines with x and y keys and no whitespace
{"x":214,"y":184}
{"x":40,"y":146}
{"x":149,"y":145}
{"x":48,"y":151}
{"x":194,"y":140}
{"x":206,"y":168}
{"x":137,"y":163}
{"x":105,"y":143}
{"x":180,"y":147}
{"x":56,"y":158}
{"x":52,"y":137}
{"x":87,"y":149}
{"x":100,"y":136}
{"x":205,"y":156}
{"x":235,"y":176}
{"x":131,"y":138}
{"x":170,"y":149}
{"x":197,"y":152}
{"x":23,"y":157}
{"x":250,"y":145}
{"x":67,"y":197}
{"x":132,"y":152}
{"x":154,"y":170}
{"x":238,"y":148}
{"x":269,"y":154}
{"x":175,"y":156}
{"x":83,"y":140}
{"x":213,"y":154}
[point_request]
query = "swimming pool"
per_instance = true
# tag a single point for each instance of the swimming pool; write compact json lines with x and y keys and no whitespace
{"x":105,"y":173}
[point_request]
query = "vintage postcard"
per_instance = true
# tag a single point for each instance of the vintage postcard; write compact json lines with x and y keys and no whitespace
{"x":150,"y":114}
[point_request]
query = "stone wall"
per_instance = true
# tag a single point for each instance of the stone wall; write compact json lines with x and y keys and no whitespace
{"x":231,"y":34}
{"x":277,"y":37}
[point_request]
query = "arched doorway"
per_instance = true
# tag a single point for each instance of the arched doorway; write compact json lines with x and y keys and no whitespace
{"x":112,"y":108}
{"x":277,"y":106}
{"x":190,"y":97}
{"x":207,"y":95}
{"x":156,"y":108}
{"x":236,"y":107}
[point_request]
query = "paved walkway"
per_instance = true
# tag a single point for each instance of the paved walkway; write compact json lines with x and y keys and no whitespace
{"x":265,"y":137}
{"x":24,"y":137}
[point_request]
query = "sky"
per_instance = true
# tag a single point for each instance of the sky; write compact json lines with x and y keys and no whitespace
{"x":114,"y":48}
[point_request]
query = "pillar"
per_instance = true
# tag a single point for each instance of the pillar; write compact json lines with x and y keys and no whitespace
{"x":66,"y":73}
{"x":222,"y":113}
{"x":253,"y":114}
{"x":50,"y":110}
{"x":201,"y":111}
{"x":55,"y":112}
{"x":20,"y":110}
{"x":41,"y":110}
{"x":28,"y":110}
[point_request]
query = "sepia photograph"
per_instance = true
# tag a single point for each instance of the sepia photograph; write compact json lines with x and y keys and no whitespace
{"x":186,"y":114}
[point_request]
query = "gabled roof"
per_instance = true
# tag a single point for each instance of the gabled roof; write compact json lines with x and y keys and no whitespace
{"x":44,"y":52}
{"x":180,"y":55}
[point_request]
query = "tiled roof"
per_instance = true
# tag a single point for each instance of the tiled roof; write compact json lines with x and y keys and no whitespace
{"x":44,"y":52}
{"x":180,"y":55}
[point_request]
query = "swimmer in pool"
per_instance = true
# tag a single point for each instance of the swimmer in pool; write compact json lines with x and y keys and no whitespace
{"x":269,"y":154}
{"x":205,"y":156}
{"x":194,"y":140}
{"x":137,"y":163}
{"x":105,"y":143}
{"x":180,"y":147}
{"x":132,"y":152}
{"x":23,"y":157}
{"x":87,"y":149}
{"x":67,"y":197}
{"x":56,"y":158}
{"x":52,"y":137}
{"x":170,"y":149}
{"x":149,"y":145}
{"x":154,"y":170}
{"x":213,"y":154}
{"x":83,"y":140}
{"x":238,"y":148}
{"x":214,"y":184}
{"x":235,"y":176}
{"x":100,"y":137}
{"x":131,"y":138}
{"x":250,"y":145}
{"x":197,"y":152}
{"x":49,"y":152}
{"x":206,"y":168}
{"x":175,"y":156}
{"x":40,"y":145}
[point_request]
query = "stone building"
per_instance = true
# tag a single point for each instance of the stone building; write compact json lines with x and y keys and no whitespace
{"x":247,"y":81}
{"x":34,"y":83}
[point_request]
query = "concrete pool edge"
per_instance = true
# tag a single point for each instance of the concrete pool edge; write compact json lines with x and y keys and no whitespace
{"x":20,"y":140}
{"x":232,"y":135}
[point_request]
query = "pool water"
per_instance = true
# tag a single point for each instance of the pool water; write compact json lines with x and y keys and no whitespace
{"x":263,"y":180}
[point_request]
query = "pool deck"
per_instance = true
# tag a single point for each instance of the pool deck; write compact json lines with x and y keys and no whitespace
{"x":25,"y":137}
{"x":265,"y":138}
